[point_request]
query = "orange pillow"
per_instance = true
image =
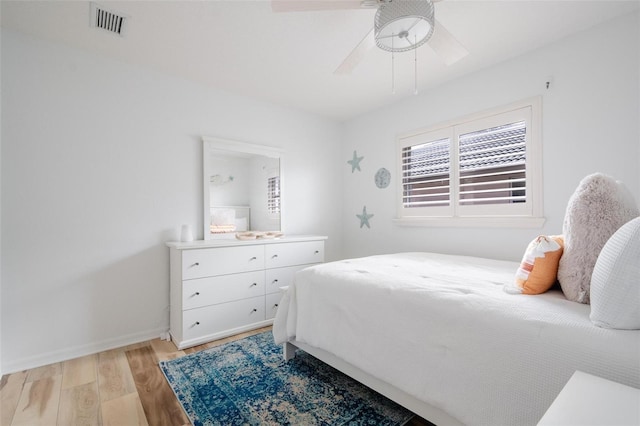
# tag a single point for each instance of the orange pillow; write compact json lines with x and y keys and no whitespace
{"x":538,"y":270}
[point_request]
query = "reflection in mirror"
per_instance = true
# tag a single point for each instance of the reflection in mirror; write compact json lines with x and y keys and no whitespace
{"x":242,"y":188}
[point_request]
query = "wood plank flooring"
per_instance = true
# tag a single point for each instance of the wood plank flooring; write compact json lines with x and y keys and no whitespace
{"x":120,"y":387}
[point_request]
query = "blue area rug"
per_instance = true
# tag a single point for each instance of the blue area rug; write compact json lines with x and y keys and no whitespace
{"x":247,"y":382}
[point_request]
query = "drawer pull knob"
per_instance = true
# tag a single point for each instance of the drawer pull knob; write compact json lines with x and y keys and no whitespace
{"x":274,"y":256}
{"x":254,"y":310}
{"x":197,"y":323}
{"x":275,"y":281}
{"x":275,"y":306}
{"x":253,"y":258}
{"x":253,"y":285}
{"x":317,"y":251}
{"x":197,"y":293}
{"x":196,"y":264}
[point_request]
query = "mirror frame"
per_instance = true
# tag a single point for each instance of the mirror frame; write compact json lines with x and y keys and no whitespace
{"x":225,"y":146}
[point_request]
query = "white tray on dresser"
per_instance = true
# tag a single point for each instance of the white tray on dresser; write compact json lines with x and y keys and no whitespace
{"x":223,"y":287}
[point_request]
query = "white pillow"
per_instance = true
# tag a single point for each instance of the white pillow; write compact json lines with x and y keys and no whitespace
{"x":241,"y":224}
{"x":615,"y":283}
{"x":598,"y":207}
{"x":221,"y":216}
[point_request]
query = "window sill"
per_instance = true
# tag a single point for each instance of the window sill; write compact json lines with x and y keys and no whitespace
{"x":472,"y":222}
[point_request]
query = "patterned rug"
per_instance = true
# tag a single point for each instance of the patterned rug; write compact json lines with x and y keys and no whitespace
{"x":247,"y":382}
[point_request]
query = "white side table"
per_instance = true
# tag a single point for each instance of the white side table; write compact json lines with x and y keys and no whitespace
{"x":590,"y":400}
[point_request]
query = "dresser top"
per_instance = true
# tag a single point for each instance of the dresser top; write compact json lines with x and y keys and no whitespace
{"x":199,"y":244}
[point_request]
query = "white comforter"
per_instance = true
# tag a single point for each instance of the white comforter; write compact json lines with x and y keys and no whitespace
{"x":442,"y":329}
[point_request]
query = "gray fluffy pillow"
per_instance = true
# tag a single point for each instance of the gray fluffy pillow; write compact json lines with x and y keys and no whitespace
{"x":599,"y":206}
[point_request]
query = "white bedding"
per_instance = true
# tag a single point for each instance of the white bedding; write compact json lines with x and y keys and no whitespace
{"x":442,"y":329}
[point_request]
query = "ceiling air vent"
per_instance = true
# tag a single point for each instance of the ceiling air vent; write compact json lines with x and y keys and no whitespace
{"x":108,"y":19}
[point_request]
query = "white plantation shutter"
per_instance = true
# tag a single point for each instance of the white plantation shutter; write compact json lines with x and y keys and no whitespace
{"x":273,"y":194}
{"x":492,"y":165}
{"x":426,"y":174}
{"x":487,"y":166}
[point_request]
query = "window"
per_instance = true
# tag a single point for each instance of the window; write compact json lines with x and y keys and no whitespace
{"x":484,"y":169}
{"x":425,"y":174}
{"x":273,"y":194}
{"x":493,"y":163}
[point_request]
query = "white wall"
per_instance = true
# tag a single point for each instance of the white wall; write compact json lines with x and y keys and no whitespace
{"x":1,"y":369}
{"x":101,"y":164}
{"x":233,"y":192}
{"x":590,"y":124}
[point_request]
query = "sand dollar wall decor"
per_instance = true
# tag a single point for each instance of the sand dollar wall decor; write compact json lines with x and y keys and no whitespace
{"x":382,"y":178}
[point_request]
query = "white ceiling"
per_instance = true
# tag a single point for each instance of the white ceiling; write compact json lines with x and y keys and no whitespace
{"x":288,"y":59}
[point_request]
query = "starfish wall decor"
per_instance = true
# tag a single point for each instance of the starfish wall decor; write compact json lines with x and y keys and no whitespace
{"x":355,"y":162}
{"x":364,"y":217}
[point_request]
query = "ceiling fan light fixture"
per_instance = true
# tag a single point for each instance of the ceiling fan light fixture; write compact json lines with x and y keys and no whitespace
{"x":402,"y":25}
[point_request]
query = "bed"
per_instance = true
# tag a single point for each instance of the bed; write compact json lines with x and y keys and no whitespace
{"x":438,"y":334}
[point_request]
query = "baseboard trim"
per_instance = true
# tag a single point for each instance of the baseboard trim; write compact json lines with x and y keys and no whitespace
{"x":79,"y":351}
{"x":220,"y":335}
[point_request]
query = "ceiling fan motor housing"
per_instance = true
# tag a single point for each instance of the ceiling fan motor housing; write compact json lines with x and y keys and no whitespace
{"x":402,"y":25}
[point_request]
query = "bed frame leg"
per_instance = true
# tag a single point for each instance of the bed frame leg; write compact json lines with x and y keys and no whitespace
{"x":288,"y":351}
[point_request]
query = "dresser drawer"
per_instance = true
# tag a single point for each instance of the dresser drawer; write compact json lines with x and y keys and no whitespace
{"x":271,"y":304}
{"x":214,"y":319}
{"x":220,"y":261}
{"x":224,"y":288}
{"x":280,"y":277}
{"x":289,"y":254}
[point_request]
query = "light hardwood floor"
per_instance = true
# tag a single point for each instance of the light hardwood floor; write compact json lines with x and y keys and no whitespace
{"x":120,"y":387}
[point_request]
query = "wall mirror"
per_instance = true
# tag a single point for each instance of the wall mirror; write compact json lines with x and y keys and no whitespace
{"x":242,"y":187}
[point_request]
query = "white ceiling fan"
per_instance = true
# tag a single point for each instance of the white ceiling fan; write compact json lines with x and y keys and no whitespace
{"x":404,"y":31}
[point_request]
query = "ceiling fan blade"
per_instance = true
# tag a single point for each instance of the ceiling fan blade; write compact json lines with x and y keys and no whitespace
{"x":356,"y":55}
{"x":445,"y":45}
{"x":313,"y":5}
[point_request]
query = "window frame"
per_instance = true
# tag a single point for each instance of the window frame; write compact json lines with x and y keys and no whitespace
{"x":526,"y":215}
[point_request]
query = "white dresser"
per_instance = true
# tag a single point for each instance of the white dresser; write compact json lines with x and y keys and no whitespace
{"x":223,"y":287}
